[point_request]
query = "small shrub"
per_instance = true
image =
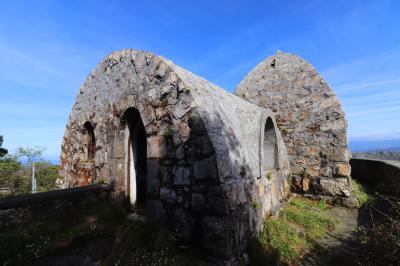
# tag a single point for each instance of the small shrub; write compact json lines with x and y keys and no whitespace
{"x":284,"y":131}
{"x":322,"y":205}
{"x":168,"y":131}
{"x":381,"y":241}
{"x":268,"y":175}
{"x":303,"y":172}
{"x":255,"y":204}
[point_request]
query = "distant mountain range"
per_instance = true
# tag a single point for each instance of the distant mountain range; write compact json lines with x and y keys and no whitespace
{"x":383,"y":149}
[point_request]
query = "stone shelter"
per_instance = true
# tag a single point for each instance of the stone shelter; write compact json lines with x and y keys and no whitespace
{"x":203,"y":162}
{"x":310,"y":118}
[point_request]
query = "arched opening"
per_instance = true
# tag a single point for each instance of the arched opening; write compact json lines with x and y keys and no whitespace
{"x":90,"y":141}
{"x":270,"y":149}
{"x":136,"y":152}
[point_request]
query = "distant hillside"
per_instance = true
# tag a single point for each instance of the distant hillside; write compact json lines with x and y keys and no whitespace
{"x":388,"y":154}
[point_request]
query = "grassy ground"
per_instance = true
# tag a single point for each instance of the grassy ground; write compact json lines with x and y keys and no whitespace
{"x":285,"y":239}
{"x":96,"y":235}
{"x":100,"y":234}
{"x":310,"y":232}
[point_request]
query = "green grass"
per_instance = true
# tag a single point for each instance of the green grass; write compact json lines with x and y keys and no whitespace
{"x":285,"y":239}
{"x":359,"y":193}
{"x":282,"y":238}
{"x":307,"y":217}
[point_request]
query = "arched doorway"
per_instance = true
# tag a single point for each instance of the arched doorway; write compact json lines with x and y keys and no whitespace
{"x":270,"y":149}
{"x":136,"y":152}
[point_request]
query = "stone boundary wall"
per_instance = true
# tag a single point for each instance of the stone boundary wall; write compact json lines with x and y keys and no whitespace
{"x":378,"y":175}
{"x":89,"y":193}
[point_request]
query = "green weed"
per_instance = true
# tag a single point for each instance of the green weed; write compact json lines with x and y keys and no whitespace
{"x":359,"y":193}
{"x":168,"y":131}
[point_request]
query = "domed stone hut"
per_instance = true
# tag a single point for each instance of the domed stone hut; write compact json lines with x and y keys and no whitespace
{"x":201,"y":161}
{"x":310,"y":118}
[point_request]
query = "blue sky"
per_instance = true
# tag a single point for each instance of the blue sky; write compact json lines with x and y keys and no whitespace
{"x":47,"y":48}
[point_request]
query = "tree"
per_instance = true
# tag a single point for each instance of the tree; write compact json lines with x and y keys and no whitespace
{"x":3,"y":151}
{"x":16,"y":177}
{"x":32,"y":154}
{"x":46,"y":175}
{"x":11,"y":176}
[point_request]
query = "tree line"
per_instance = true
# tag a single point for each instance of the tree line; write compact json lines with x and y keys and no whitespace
{"x":16,"y":171}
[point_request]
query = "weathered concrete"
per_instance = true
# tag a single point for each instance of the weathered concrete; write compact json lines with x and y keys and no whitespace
{"x":311,"y":120}
{"x":205,"y":166}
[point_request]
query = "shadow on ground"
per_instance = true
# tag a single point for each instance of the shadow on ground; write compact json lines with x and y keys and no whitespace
{"x":98,"y":234}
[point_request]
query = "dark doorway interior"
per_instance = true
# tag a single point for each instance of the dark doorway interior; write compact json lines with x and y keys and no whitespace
{"x":137,"y":155}
{"x":91,"y":141}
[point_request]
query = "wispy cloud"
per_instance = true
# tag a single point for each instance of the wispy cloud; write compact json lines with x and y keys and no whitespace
{"x":378,"y":69}
{"x":375,"y":111}
{"x":363,"y":85}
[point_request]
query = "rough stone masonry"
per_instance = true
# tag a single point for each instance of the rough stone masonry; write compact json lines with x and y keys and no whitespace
{"x":205,"y":163}
{"x":310,"y":118}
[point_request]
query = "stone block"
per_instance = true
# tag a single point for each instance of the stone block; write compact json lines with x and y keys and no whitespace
{"x":342,"y":169}
{"x":198,"y":202}
{"x":216,"y":200}
{"x":206,"y":168}
{"x":334,"y":187}
{"x":182,"y":175}
{"x":156,"y":147}
{"x":312,"y":171}
{"x":235,"y":195}
{"x":306,"y":184}
{"x":184,"y":131}
{"x":168,"y":195}
{"x":348,"y":202}
{"x":297,"y":183}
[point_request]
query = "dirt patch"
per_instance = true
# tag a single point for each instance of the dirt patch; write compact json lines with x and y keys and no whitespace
{"x":337,"y":246}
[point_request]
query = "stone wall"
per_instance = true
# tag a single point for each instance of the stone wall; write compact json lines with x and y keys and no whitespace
{"x":310,"y":118}
{"x":204,"y":163}
{"x":377,"y":175}
{"x":19,"y":209}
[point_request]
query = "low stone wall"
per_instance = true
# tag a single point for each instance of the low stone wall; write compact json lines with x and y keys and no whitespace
{"x":377,"y":175}
{"x":16,"y":210}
